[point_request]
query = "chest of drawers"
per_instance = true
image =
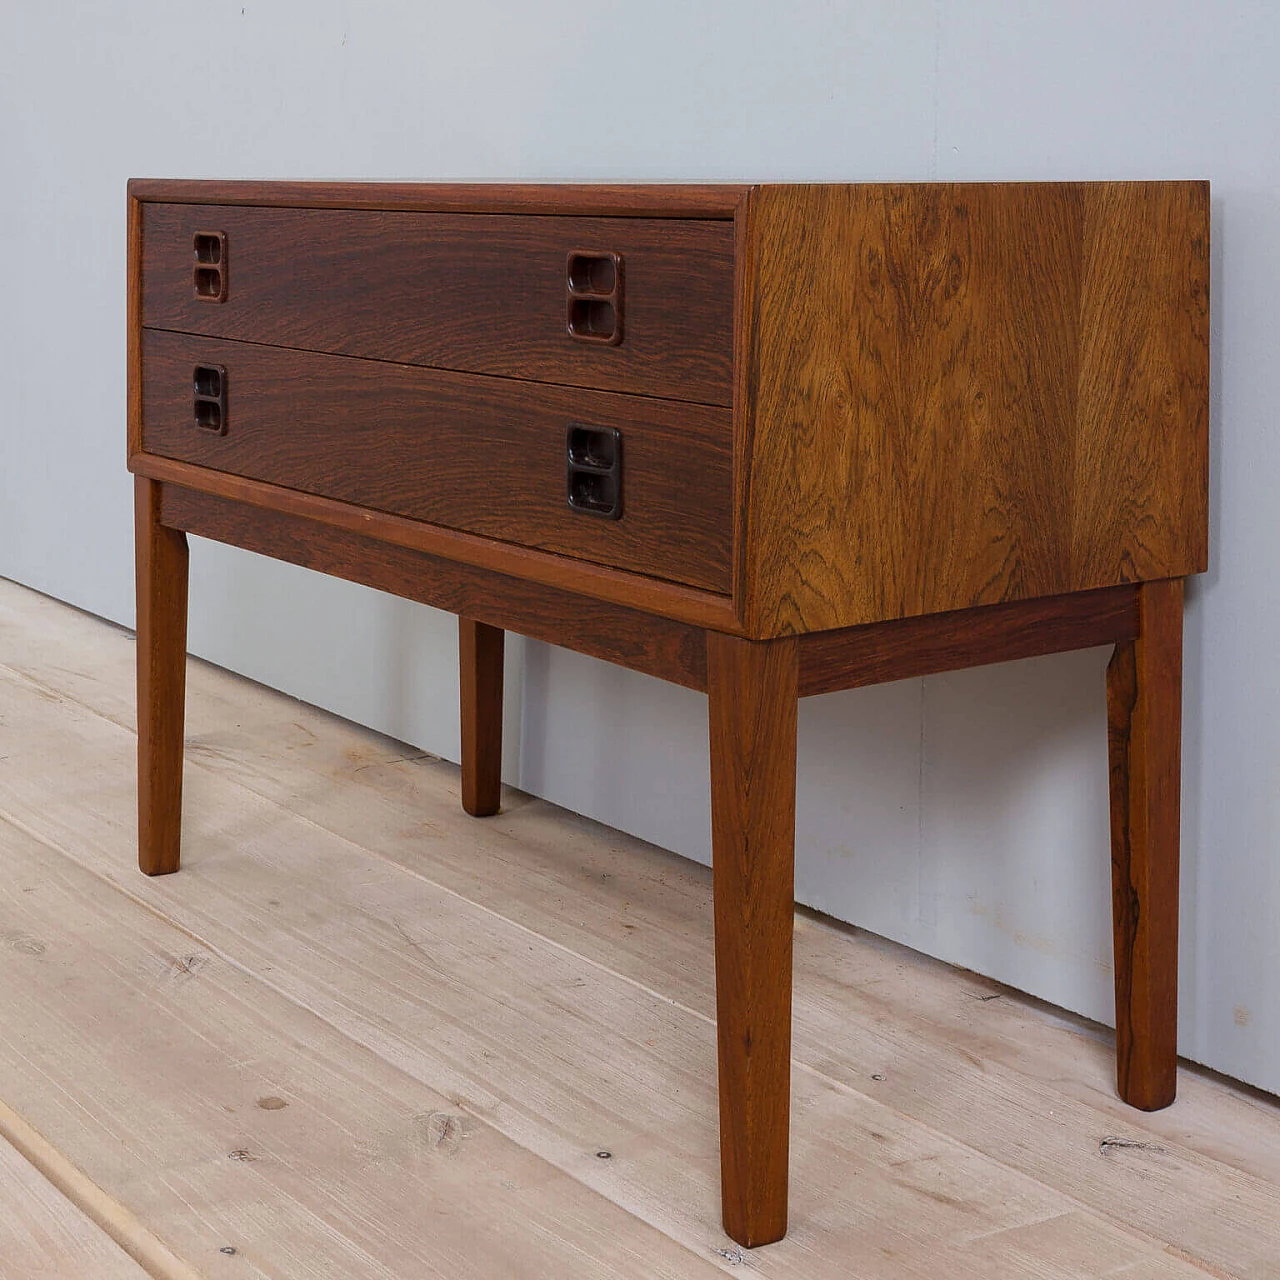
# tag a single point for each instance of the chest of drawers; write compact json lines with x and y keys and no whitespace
{"x":764,"y":441}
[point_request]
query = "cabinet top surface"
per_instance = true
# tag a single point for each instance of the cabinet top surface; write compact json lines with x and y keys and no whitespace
{"x":637,"y":200}
{"x":654,"y":200}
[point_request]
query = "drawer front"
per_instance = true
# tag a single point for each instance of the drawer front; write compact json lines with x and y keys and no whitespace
{"x":475,"y":292}
{"x":486,"y":455}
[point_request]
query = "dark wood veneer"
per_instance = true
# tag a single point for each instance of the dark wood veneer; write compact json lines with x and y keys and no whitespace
{"x":906,"y":647}
{"x":486,"y":455}
{"x":597,"y":582}
{"x":661,"y":647}
{"x":483,"y":294}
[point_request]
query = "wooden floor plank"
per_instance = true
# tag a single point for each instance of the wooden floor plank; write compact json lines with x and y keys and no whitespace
{"x":519,"y":1031}
{"x":1072,"y":1245}
{"x":253,"y":1138}
{"x":43,"y":1234}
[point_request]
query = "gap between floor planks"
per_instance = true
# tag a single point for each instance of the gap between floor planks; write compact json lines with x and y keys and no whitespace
{"x":546,"y":826}
{"x":42,"y":1233}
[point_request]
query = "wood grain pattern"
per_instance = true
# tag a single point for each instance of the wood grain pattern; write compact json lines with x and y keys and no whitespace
{"x":485,"y":455}
{"x":586,"y":580}
{"x":744,"y":391}
{"x":147,"y":1056}
{"x":751,"y":691}
{"x":1141,"y":476}
{"x":908,"y":647}
{"x":1144,"y":732}
{"x":160,"y":555}
{"x":592,"y":200}
{"x":967,"y":394}
{"x":482,"y":294}
{"x":480,"y":694}
{"x":644,"y":642}
{"x":133,"y":326}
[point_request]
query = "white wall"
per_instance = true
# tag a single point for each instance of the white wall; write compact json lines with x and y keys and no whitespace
{"x":964,"y":815}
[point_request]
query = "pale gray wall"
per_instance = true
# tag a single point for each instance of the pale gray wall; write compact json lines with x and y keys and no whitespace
{"x":965,"y":815}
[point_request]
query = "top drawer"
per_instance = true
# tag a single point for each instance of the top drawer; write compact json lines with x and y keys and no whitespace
{"x":481,"y":293}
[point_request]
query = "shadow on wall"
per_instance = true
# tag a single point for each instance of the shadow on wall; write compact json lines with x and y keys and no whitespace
{"x":925,"y":810}
{"x":981,"y":835}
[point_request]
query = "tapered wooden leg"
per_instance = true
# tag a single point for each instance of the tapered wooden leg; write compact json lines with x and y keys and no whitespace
{"x":480,"y":682}
{"x":1144,"y":731}
{"x":160,"y":558}
{"x":751,"y":688}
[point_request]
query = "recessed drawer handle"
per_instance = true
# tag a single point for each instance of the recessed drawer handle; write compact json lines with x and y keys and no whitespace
{"x":595,"y":470}
{"x":209,"y":398}
{"x":595,"y":296}
{"x":209,"y":270}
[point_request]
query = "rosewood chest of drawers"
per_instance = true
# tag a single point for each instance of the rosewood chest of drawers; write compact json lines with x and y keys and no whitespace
{"x":763,"y":441}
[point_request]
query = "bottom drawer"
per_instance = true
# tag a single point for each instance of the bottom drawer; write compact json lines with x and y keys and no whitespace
{"x":484,"y":454}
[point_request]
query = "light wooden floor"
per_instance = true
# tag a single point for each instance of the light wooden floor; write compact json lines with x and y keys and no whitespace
{"x":363,"y":1035}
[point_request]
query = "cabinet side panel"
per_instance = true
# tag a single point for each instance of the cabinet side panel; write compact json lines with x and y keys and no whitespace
{"x":968,"y":394}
